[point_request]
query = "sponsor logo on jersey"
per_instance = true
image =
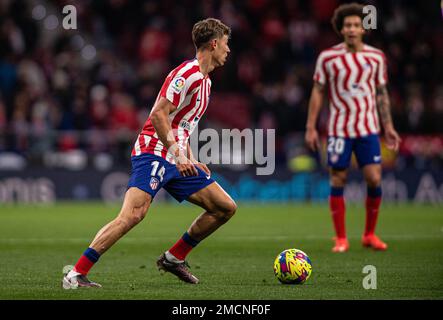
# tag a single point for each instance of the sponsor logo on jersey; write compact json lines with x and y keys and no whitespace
{"x":377,"y":158}
{"x":154,"y":183}
{"x":357,"y":86}
{"x":185,"y":124}
{"x":356,"y":90}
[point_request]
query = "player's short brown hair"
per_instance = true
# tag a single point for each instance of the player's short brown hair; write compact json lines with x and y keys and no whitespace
{"x":343,"y":11}
{"x":207,"y":30}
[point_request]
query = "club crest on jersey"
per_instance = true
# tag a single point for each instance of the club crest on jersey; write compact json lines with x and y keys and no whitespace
{"x":178,"y":84}
{"x":334,"y":158}
{"x":154,"y":183}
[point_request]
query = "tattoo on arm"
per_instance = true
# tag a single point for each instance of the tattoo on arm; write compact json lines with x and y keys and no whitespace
{"x":384,"y":105}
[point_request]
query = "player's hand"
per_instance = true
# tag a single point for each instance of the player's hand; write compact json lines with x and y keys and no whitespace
{"x":185,"y":166}
{"x":312,"y":140}
{"x":392,"y":138}
{"x":204,"y":167}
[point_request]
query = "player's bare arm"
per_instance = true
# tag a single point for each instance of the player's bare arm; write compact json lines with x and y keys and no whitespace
{"x":384,"y":107}
{"x":315,"y":104}
{"x":159,"y":118}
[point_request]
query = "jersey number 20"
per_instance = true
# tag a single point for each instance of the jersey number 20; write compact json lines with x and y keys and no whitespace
{"x":336,"y":145}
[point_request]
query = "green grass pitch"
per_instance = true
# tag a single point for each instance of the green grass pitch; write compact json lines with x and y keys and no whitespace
{"x":234,"y":263}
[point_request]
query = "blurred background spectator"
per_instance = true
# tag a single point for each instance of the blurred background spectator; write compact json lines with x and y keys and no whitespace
{"x":91,"y":89}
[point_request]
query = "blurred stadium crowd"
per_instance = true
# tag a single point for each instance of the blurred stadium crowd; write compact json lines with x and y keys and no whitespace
{"x":92,"y":88}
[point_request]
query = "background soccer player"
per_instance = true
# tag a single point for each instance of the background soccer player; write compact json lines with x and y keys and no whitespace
{"x":162,"y":158}
{"x":357,"y":76}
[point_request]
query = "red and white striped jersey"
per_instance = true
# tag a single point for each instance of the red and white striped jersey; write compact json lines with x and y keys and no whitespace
{"x":188,"y":90}
{"x":353,"y":79}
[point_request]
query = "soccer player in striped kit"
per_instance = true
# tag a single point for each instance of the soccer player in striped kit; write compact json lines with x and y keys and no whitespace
{"x":162,"y":158}
{"x":356,"y":75}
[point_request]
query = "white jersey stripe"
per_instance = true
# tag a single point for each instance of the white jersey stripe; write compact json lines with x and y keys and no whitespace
{"x":147,"y":139}
{"x":335,"y":87}
{"x":353,"y":107}
{"x":352,"y":78}
{"x":137,"y":146}
{"x":366,"y":99}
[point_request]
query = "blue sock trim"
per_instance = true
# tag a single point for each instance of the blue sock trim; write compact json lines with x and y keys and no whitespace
{"x":374,"y":192}
{"x":91,"y":254}
{"x":337,"y":191}
{"x":187,"y":238}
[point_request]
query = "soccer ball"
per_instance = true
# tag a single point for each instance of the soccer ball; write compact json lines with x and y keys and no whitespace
{"x":292,"y":266}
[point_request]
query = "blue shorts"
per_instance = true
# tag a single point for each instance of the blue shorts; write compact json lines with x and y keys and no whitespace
{"x":366,"y":150}
{"x":150,"y":173}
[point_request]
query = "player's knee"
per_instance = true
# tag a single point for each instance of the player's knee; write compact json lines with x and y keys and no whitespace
{"x":227,"y":210}
{"x":338,"y":180}
{"x":131,"y":219}
{"x":373,"y":180}
{"x":137,"y":217}
{"x":127,"y":223}
{"x":232,"y":208}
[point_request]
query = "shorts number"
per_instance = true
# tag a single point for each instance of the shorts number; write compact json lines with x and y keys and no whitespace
{"x":336,"y":145}
{"x":156,"y":172}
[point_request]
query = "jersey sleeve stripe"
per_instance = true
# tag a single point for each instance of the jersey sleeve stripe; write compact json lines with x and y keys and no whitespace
{"x":381,"y":74}
{"x":324,"y":58}
{"x":176,"y":99}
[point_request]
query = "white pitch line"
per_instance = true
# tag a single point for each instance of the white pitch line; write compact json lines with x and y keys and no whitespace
{"x":219,"y":238}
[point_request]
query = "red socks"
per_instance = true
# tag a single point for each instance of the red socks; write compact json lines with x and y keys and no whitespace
{"x":373,"y":201}
{"x":183,"y":246}
{"x":86,"y":261}
{"x":337,"y":207}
